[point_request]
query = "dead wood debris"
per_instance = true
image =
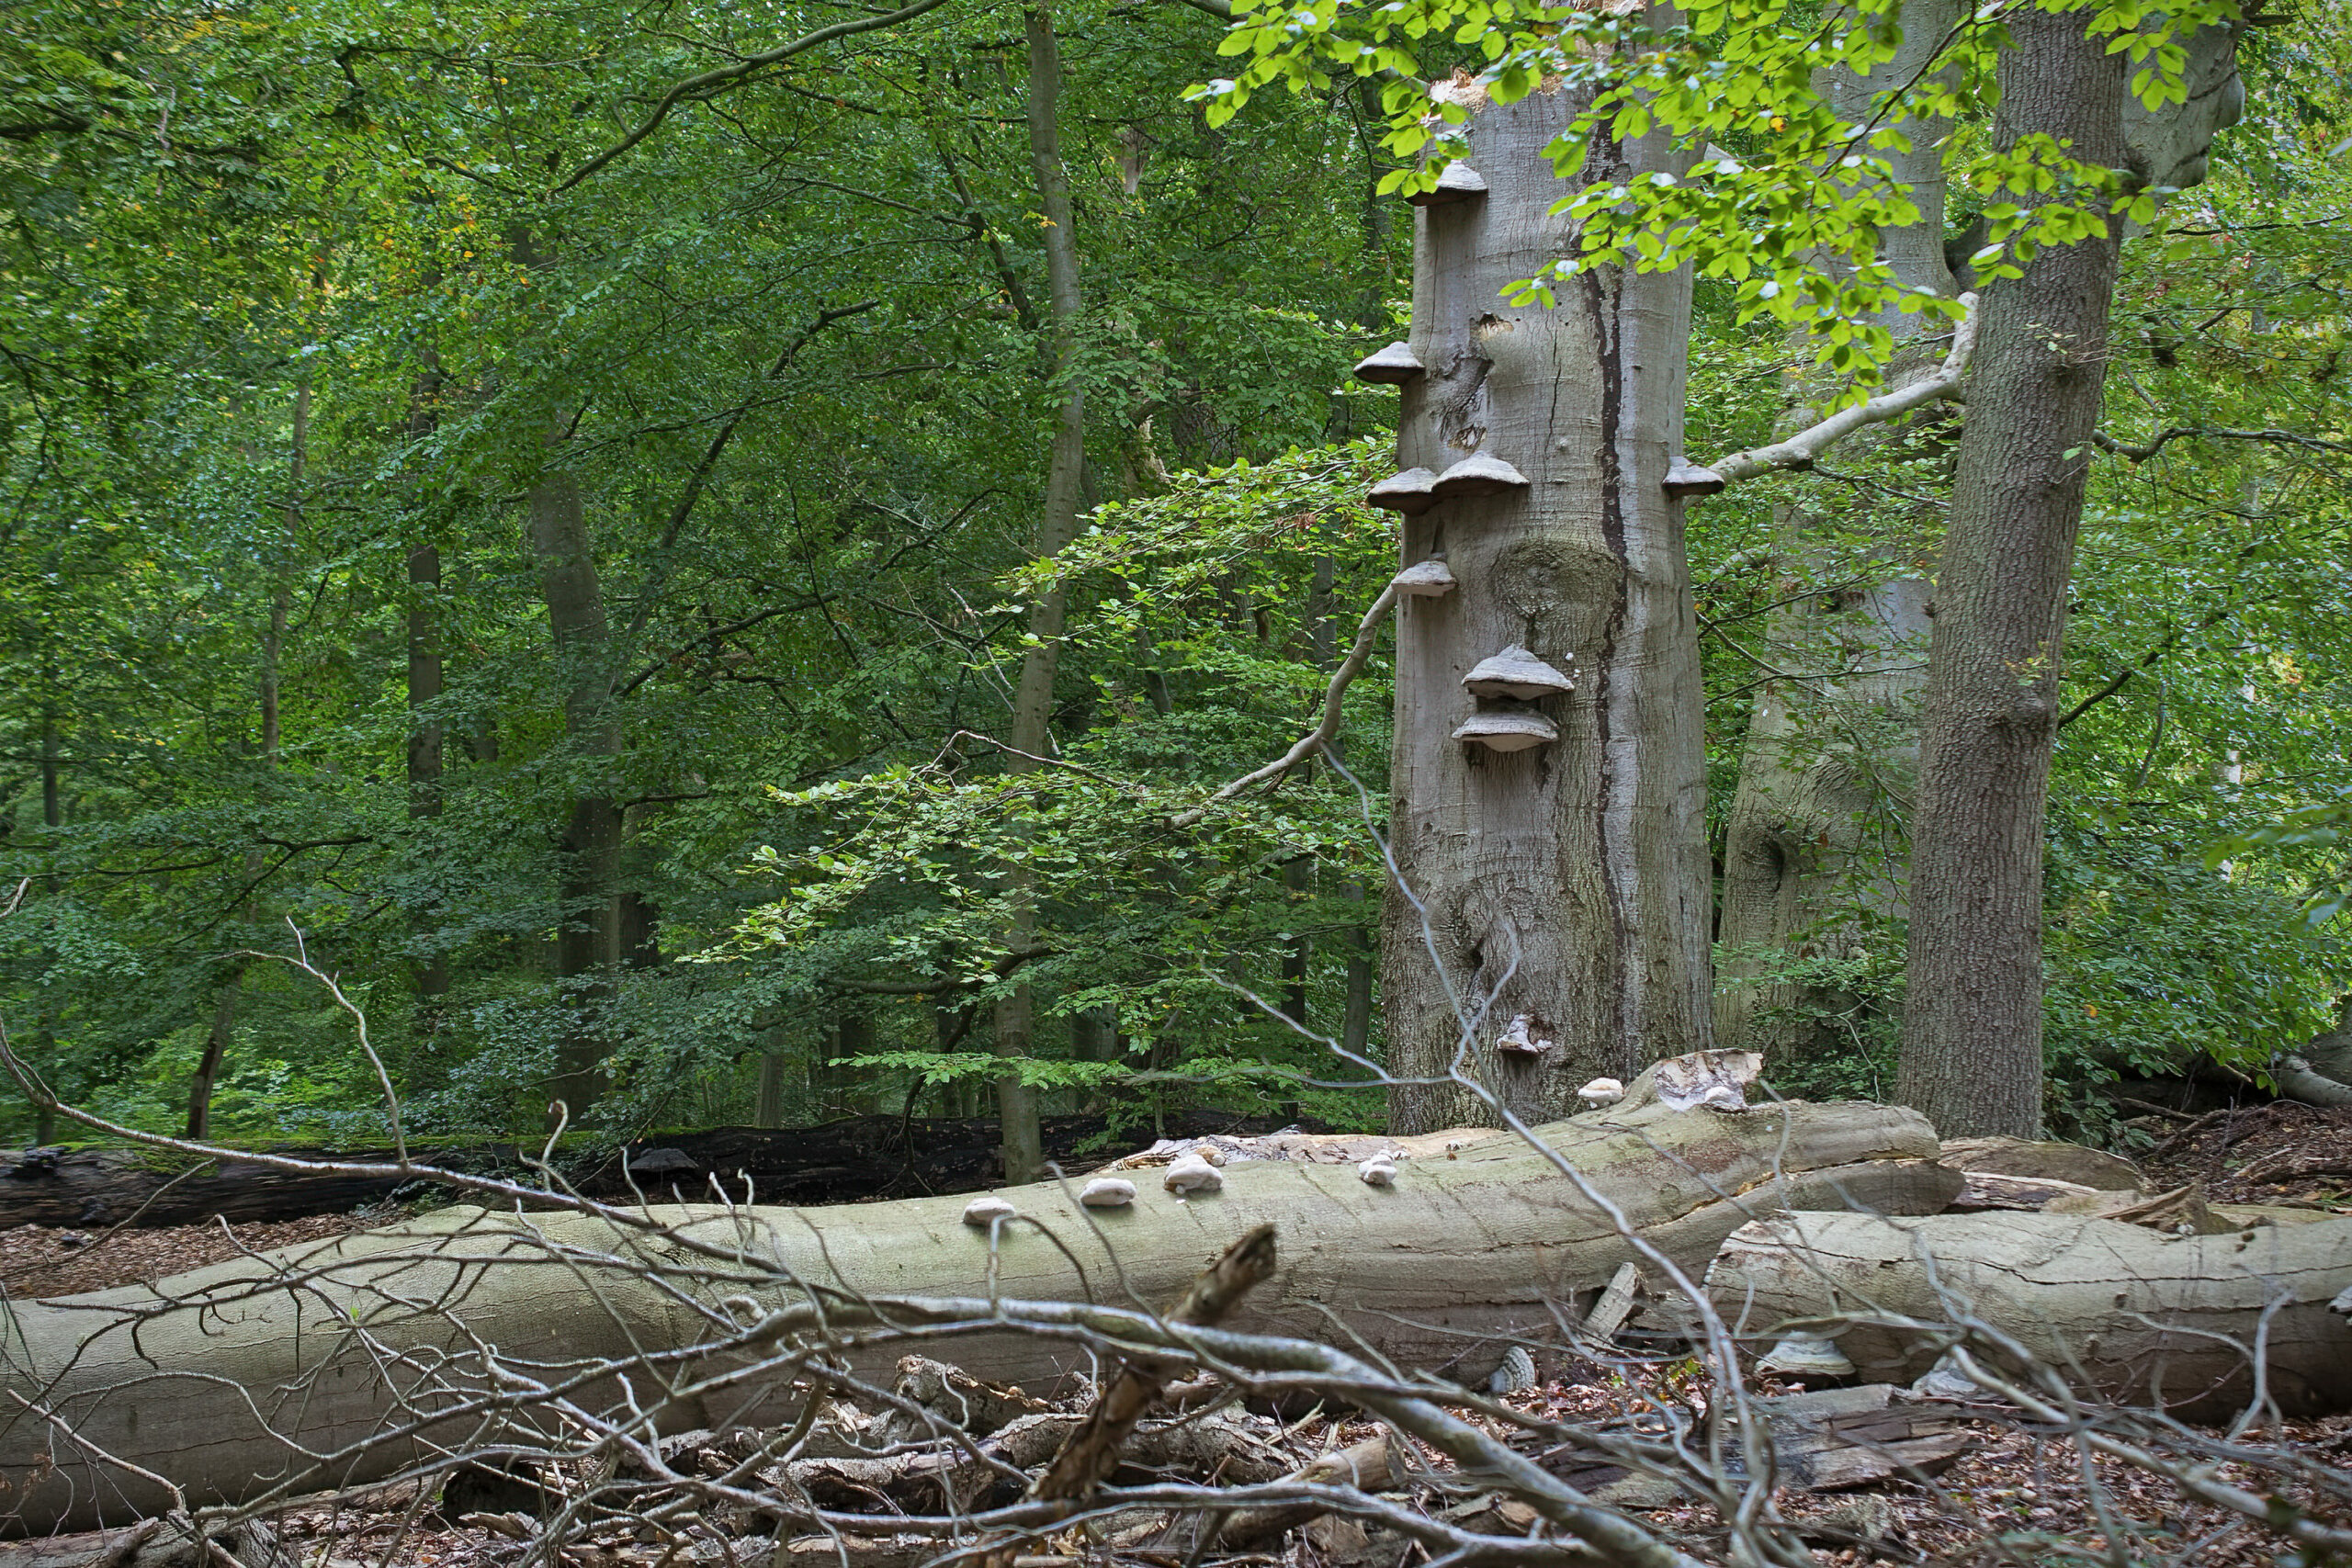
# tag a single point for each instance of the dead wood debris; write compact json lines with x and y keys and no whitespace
{"x":2280,"y":1152}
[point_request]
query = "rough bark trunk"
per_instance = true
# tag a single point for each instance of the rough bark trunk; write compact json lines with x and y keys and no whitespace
{"x":587,"y":932}
{"x":1032,"y":705}
{"x":52,"y":817}
{"x":1429,"y":1270}
{"x":1972,"y":1027}
{"x":432,"y":974}
{"x":2125,"y":1310}
{"x":1794,"y":839}
{"x":1567,"y":885}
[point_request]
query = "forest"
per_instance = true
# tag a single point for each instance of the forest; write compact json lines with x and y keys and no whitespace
{"x":1590,"y":755}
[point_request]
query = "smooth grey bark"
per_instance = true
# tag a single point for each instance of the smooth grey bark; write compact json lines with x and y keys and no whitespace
{"x":1033,"y":703}
{"x":1972,"y":1028}
{"x":212,"y":1378}
{"x":1569,"y":883}
{"x":587,"y":931}
{"x":1825,"y":747}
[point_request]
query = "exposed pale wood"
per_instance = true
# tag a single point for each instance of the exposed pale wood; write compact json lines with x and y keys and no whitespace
{"x":1615,"y":1305}
{"x":1429,"y":1272}
{"x":2136,"y":1313}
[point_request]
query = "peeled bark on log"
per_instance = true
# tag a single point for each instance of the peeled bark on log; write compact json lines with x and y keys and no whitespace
{"x":2127,"y":1312}
{"x":186,"y":1378}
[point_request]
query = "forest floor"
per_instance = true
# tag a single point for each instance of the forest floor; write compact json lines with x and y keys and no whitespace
{"x":2278,"y":1153}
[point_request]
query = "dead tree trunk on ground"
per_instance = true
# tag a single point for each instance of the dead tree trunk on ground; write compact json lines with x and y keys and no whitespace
{"x":343,"y":1360}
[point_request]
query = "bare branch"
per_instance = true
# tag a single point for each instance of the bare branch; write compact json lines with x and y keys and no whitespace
{"x":1368,"y":636}
{"x":1799,"y":451}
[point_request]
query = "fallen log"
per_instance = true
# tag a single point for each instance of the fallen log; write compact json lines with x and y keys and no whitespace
{"x":2127,"y":1312}
{"x":343,"y":1360}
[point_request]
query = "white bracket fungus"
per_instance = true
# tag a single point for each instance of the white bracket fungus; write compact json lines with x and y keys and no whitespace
{"x":1190,"y":1175}
{"x":1392,"y":366}
{"x":1685,"y":478}
{"x":1507,"y":731}
{"x":1410,"y":493}
{"x":1378,"y":1171}
{"x":1459,"y":182}
{"x":1108,"y":1192}
{"x":986,"y":1209}
{"x":1477,"y":475}
{"x":1431,"y":579}
{"x":1516,"y":672}
{"x":1600,"y":1092}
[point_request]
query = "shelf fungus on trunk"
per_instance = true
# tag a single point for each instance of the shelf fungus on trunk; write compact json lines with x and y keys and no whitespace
{"x":1507,"y":731}
{"x":1807,"y":1356}
{"x":1459,"y":183}
{"x":1431,"y":579}
{"x":1477,"y":475}
{"x":1411,"y":492}
{"x":1192,"y":1174}
{"x":1392,"y":366}
{"x":1685,"y":478}
{"x":1516,"y":672}
{"x":1522,"y":1036}
{"x":1601,"y":1092}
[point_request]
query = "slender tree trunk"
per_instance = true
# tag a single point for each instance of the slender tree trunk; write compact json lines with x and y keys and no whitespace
{"x":1823,"y":751}
{"x":1568,"y":885}
{"x":432,"y":974}
{"x":52,"y":817}
{"x":587,"y":933}
{"x":1033,"y":704}
{"x":221,"y":1033}
{"x":1972,"y":1028}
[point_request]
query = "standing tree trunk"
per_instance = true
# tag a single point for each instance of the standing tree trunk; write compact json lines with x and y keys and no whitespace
{"x":1033,"y":704}
{"x":587,"y":933}
{"x":1972,"y":1026}
{"x":1566,"y":885}
{"x":425,"y":742}
{"x":222,"y":1030}
{"x":52,"y":817}
{"x":1822,"y":750}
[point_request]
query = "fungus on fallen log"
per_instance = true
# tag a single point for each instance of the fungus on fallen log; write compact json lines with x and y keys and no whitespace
{"x":1392,"y":366}
{"x":1458,"y":183}
{"x":1477,"y":475}
{"x":1516,"y":672}
{"x":177,"y":1379}
{"x":1507,"y":731}
{"x":1411,"y":492}
{"x":1431,"y":579}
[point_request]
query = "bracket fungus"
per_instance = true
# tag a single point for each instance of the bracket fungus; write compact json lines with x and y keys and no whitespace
{"x":1685,"y":478}
{"x":986,"y":1209}
{"x":1806,"y":1355}
{"x":1516,"y":672}
{"x":1431,"y":579}
{"x":1108,"y":1192}
{"x":1475,"y":475}
{"x":1392,"y":366}
{"x":1192,"y":1174}
{"x":1507,"y":731}
{"x":1410,"y":493}
{"x":1458,"y":182}
{"x":1378,"y":1171}
{"x":1600,"y":1092}
{"x":1518,"y":1038}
